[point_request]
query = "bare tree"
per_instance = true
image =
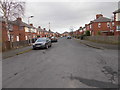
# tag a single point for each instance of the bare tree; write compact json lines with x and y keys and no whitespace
{"x":71,"y":30}
{"x":10,"y":10}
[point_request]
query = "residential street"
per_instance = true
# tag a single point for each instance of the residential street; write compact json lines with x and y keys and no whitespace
{"x":67,"y":64}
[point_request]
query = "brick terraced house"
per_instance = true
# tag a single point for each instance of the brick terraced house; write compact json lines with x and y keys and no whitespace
{"x":20,"y":33}
{"x":117,"y":22}
{"x":101,"y":26}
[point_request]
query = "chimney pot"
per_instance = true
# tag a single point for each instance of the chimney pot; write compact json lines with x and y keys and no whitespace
{"x":99,"y":15}
{"x":44,"y":28}
{"x":19,"y":19}
{"x":39,"y":27}
{"x":31,"y":24}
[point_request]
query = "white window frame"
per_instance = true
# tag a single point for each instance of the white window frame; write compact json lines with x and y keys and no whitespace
{"x":26,"y":37}
{"x":99,"y":25}
{"x":90,"y":26}
{"x":17,"y":37}
{"x":108,"y":24}
{"x":117,"y":28}
{"x":113,"y":24}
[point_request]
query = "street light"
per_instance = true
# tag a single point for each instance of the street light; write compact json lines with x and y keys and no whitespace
{"x":30,"y":38}
{"x":29,"y":18}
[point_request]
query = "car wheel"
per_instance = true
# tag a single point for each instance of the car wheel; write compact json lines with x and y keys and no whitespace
{"x":50,"y":45}
{"x":34,"y":48}
{"x":46,"y":46}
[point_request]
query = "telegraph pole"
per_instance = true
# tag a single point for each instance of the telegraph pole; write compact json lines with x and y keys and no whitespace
{"x":49,"y":25}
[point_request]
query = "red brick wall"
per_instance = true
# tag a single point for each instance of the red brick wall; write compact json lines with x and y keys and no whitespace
{"x":117,"y":33}
{"x":103,"y":27}
{"x":22,"y":34}
{"x":4,"y":32}
{"x":15,"y":32}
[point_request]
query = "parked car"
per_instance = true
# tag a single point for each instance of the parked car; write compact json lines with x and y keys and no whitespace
{"x":68,"y":37}
{"x":42,"y":43}
{"x":54,"y":39}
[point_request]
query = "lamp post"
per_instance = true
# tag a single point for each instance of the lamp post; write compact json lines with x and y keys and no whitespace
{"x":30,"y":30}
{"x":29,"y":18}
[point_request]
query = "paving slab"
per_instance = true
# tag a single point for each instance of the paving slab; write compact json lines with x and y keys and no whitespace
{"x":14,"y":52}
{"x":99,"y":45}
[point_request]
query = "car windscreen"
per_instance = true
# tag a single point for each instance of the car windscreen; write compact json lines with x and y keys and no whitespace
{"x":41,"y":40}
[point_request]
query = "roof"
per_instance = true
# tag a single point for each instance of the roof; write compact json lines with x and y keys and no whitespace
{"x":117,"y":11}
{"x":39,"y":29}
{"x":22,"y":24}
{"x":102,"y":19}
{"x":17,"y":23}
{"x":50,"y":31}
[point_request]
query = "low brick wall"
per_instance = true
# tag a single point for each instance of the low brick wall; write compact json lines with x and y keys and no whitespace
{"x":104,"y":39}
{"x":20,"y":44}
{"x":7,"y":45}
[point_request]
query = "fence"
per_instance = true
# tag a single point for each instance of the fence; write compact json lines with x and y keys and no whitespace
{"x":104,"y":39}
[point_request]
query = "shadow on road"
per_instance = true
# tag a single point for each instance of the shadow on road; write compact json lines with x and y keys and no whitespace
{"x":94,"y":83}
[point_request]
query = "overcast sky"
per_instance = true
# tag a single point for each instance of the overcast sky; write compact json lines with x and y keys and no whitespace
{"x":63,"y":15}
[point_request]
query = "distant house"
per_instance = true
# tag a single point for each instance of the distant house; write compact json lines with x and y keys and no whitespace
{"x":50,"y":33}
{"x":101,"y":26}
{"x":33,"y":31}
{"x":24,"y":30}
{"x":39,"y":32}
{"x":117,"y":21}
{"x":16,"y":31}
{"x":65,"y":33}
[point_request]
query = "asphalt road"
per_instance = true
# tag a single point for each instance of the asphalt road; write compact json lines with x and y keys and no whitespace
{"x":67,"y":64}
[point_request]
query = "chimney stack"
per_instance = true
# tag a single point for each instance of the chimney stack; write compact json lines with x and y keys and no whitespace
{"x":31,"y":24}
{"x":39,"y":27}
{"x":99,"y":15}
{"x":85,"y":24}
{"x":19,"y":19}
{"x":44,"y":29}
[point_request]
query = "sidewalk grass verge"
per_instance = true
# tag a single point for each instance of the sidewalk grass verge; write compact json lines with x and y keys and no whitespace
{"x":89,"y":45}
{"x":92,"y":46}
{"x":24,"y":52}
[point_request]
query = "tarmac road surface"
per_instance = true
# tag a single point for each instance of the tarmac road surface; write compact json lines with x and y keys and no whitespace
{"x":67,"y":64}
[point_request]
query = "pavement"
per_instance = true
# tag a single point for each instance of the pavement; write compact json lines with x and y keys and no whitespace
{"x":98,"y":45}
{"x":15,"y":52}
{"x":67,"y":64}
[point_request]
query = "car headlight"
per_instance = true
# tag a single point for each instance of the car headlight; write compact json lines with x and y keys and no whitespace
{"x":33,"y":44}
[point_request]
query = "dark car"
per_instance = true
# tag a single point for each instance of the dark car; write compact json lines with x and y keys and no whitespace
{"x":42,"y":43}
{"x":54,"y":39}
{"x":68,"y":37}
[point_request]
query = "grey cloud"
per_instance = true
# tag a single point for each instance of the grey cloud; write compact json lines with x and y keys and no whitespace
{"x":62,"y":15}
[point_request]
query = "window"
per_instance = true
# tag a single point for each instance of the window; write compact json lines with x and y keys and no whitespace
{"x":90,"y":26}
{"x":26,"y":37}
{"x":113,"y":24}
{"x":99,"y":25}
{"x":17,"y":38}
{"x":108,"y":24}
{"x":10,"y":27}
{"x":117,"y":28}
{"x":26,"y":29}
{"x":12,"y":38}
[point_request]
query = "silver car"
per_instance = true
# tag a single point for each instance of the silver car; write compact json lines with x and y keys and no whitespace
{"x":42,"y":43}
